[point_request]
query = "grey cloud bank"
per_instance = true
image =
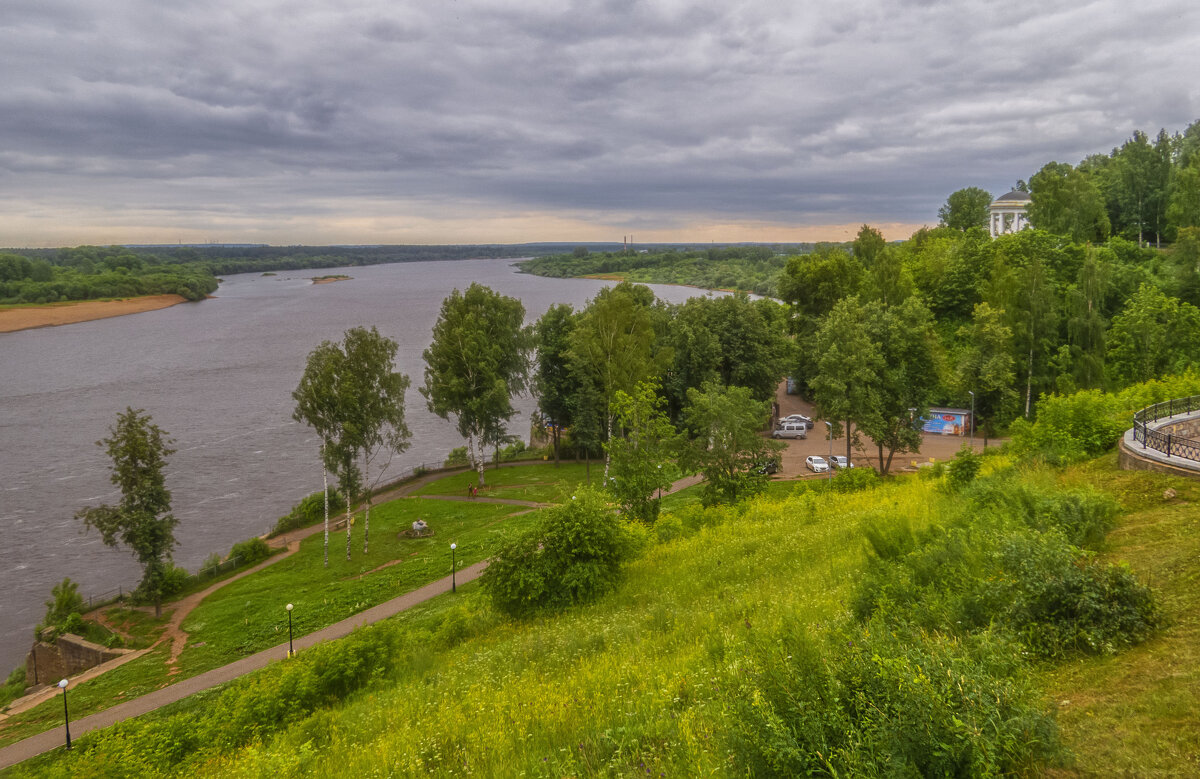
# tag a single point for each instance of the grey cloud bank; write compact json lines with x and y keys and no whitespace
{"x":474,"y":121}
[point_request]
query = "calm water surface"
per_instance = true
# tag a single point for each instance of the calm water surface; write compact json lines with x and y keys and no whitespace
{"x":217,"y":376}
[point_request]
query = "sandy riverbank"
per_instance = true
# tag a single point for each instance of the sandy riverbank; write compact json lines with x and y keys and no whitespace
{"x":28,"y":317}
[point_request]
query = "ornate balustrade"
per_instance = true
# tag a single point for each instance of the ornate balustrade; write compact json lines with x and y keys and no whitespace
{"x":1168,"y":443}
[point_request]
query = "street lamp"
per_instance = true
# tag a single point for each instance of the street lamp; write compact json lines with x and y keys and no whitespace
{"x":66,"y":718}
{"x":829,"y":465}
{"x":291,"y":651}
{"x":453,"y":569}
{"x":972,"y":394}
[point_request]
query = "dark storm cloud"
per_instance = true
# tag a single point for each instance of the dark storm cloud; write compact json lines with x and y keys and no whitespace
{"x":801,"y":113}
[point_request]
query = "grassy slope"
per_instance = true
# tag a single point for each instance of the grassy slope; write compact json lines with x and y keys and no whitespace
{"x":248,"y":615}
{"x":1138,"y":713}
{"x":629,"y":684}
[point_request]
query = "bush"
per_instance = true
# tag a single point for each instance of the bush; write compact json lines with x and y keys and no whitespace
{"x":963,"y":469}
{"x":854,"y":479}
{"x":251,"y":551}
{"x":572,"y":556}
{"x":1070,"y":428}
{"x":13,"y":687}
{"x":875,"y":701}
{"x":65,"y":600}
{"x":309,"y":511}
{"x":457,"y":456}
{"x":174,"y":580}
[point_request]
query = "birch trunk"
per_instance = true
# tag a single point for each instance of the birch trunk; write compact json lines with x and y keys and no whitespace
{"x":325,"y":480}
{"x":1029,"y":382}
{"x":349,"y":509}
{"x":608,"y":428}
{"x":366,"y":502}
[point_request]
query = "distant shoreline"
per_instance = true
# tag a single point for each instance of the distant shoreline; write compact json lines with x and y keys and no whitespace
{"x":55,"y":314}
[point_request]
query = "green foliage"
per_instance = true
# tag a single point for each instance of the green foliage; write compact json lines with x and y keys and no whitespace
{"x":875,"y":701}
{"x":965,"y":208}
{"x":13,"y":687}
{"x":572,"y":556}
{"x":64,"y":601}
{"x":1071,"y":428}
{"x":725,"y":446}
{"x":963,"y":469}
{"x":476,"y":363}
{"x":142,"y":520}
{"x":309,"y":511}
{"x":1153,"y":335}
{"x":457,"y":456}
{"x":92,"y":273}
{"x":641,"y":452}
{"x":854,"y":480}
{"x":1009,"y":563}
{"x":251,"y":551}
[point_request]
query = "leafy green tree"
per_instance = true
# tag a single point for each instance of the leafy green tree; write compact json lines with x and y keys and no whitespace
{"x":812,"y":283}
{"x":613,"y":343}
{"x":142,"y":520}
{"x":1022,"y":289}
{"x":1141,"y":181}
{"x":1086,"y":325}
{"x":725,"y":446}
{"x":1185,"y":259}
{"x":352,"y":396}
{"x":317,"y":405}
{"x":553,"y":379}
{"x":868,"y":245}
{"x":888,"y":280}
{"x":1183,"y":205}
{"x":1067,"y":202}
{"x":1154,"y":335}
{"x":846,"y":384}
{"x":478,"y":360}
{"x":906,"y":379}
{"x":647,"y":443}
{"x":985,"y":367}
{"x":965,"y":208}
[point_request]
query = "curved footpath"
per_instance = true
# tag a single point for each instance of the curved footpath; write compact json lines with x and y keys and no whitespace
{"x":50,"y":739}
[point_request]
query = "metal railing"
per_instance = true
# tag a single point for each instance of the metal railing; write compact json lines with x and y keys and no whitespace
{"x":1169,"y":444}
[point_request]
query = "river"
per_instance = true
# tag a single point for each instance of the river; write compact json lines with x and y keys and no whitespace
{"x":217,"y":376}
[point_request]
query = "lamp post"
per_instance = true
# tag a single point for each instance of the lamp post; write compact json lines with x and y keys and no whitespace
{"x":829,"y":465}
{"x":972,"y":394}
{"x":66,"y":718}
{"x":453,"y":569}
{"x":291,"y":650}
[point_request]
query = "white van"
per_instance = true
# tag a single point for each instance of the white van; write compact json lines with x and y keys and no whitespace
{"x":791,"y":430}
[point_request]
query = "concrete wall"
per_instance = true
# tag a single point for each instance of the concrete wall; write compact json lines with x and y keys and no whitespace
{"x":1188,"y":428}
{"x":1129,"y":460}
{"x":69,"y":655}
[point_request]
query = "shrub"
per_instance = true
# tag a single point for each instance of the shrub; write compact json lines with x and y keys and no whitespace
{"x":13,"y":687}
{"x":174,"y":580}
{"x":251,"y":551}
{"x":210,"y":563}
{"x":875,"y":701}
{"x":64,"y":601}
{"x":1070,"y":428}
{"x":457,"y":456}
{"x":963,"y":469}
{"x":854,"y":480}
{"x":572,"y":556}
{"x":309,"y":511}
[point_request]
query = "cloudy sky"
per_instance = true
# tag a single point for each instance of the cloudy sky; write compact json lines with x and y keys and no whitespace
{"x":468,"y":121}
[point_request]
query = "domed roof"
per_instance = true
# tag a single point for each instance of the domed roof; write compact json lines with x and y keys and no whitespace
{"x":1016,"y":196}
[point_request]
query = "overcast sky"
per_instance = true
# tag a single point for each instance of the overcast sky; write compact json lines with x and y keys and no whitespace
{"x":470,"y":121}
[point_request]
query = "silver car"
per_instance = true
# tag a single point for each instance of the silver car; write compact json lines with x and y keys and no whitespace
{"x":816,"y":464}
{"x":790,"y":430}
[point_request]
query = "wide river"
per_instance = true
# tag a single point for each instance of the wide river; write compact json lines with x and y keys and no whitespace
{"x":217,"y":376}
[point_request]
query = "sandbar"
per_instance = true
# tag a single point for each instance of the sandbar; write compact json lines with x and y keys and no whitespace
{"x":28,"y":317}
{"x":330,"y":279}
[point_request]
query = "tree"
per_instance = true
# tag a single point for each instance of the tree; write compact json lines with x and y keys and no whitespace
{"x":1153,"y":335}
{"x":317,"y":406}
{"x":613,"y":344}
{"x":65,"y":600}
{"x":552,"y":378}
{"x":1086,"y":325}
{"x":1183,"y":207}
{"x":846,"y":384}
{"x":985,"y":367}
{"x":142,"y":520}
{"x":725,"y":446}
{"x":1065,"y":201}
{"x":478,"y":360}
{"x":647,"y":443}
{"x":906,"y":379}
{"x":351,"y":395}
{"x":868,"y":245}
{"x":965,"y":209}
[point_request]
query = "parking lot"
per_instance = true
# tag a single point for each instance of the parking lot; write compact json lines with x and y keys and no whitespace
{"x":938,"y":447}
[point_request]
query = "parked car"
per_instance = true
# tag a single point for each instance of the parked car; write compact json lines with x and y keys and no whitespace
{"x":816,"y":464}
{"x":808,"y":423}
{"x":790,"y":430}
{"x":840,"y":461}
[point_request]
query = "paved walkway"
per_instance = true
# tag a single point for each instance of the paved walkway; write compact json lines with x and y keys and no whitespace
{"x":44,"y":742}
{"x":50,"y":739}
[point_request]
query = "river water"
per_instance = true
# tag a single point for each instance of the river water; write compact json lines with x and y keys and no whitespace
{"x":217,"y":376}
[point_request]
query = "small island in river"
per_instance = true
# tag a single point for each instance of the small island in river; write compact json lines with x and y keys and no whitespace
{"x":329,"y":279}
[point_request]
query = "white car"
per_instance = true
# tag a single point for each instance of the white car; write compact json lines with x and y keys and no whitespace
{"x":839,"y":461}
{"x":816,"y":464}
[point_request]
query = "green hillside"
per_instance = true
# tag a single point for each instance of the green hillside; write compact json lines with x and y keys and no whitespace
{"x":929,"y":625}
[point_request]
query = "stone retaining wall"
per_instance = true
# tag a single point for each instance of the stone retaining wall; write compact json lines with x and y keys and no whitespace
{"x":69,"y":655}
{"x":1129,"y":460}
{"x":1187,"y":428}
